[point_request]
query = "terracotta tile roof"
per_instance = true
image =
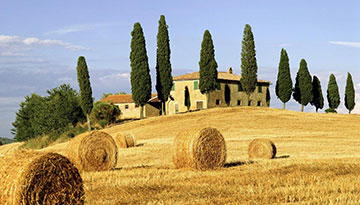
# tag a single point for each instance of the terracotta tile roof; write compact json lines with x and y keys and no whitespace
{"x":127,"y":98}
{"x":221,"y":76}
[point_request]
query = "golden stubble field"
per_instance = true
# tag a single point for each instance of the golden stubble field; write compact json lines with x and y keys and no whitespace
{"x":317,"y":161}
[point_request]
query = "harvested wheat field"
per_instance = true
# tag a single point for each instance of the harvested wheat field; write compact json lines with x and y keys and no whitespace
{"x":317,"y":161}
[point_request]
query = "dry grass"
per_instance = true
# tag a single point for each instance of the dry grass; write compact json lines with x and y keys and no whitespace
{"x":317,"y":161}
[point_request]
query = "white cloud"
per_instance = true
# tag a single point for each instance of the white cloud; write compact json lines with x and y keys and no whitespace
{"x":344,"y":43}
{"x":16,"y":45}
{"x":79,"y":28}
{"x":115,"y":76}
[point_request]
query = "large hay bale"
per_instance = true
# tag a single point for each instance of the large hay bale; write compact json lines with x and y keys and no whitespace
{"x":261,"y":149}
{"x":125,"y":140}
{"x":201,"y":149}
{"x":39,"y":178}
{"x":94,"y":151}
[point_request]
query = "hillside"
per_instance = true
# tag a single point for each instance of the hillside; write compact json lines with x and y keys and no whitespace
{"x":317,"y":160}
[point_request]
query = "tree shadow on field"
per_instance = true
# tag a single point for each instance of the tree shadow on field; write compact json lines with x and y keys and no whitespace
{"x":237,"y":163}
{"x":282,"y":157}
{"x":134,"y":167}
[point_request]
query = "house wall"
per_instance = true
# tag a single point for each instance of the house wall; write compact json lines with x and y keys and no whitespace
{"x":178,"y":104}
{"x":152,"y":109}
{"x":132,"y":112}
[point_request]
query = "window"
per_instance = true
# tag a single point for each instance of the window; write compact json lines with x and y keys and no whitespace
{"x":173,"y":87}
{"x":259,"y":89}
{"x":126,"y":106}
{"x":240,"y":89}
{"x":218,"y":86}
{"x":196,"y":85}
{"x":217,"y":102}
{"x":259,"y":103}
{"x":249,"y":103}
{"x":239,"y":102}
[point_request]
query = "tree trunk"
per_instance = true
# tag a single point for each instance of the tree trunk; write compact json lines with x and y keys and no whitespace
{"x":207,"y":99}
{"x":88,"y":122}
{"x":163,"y":108}
{"x":141,"y":111}
{"x":302,"y":108}
{"x":283,"y":106}
{"x":317,"y":110}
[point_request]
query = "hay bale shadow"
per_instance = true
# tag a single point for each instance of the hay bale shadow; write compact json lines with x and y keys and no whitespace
{"x":282,"y":157}
{"x":140,"y":145}
{"x":237,"y":163}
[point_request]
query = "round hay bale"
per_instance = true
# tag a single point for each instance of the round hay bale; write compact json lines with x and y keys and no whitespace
{"x":39,"y":178}
{"x":125,"y":140}
{"x":94,"y":151}
{"x":201,"y":149}
{"x":261,"y":149}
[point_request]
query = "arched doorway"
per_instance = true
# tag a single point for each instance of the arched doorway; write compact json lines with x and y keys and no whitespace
{"x":227,"y":94}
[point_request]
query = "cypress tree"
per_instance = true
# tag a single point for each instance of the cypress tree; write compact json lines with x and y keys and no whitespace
{"x":85,"y":88}
{"x":164,"y":79}
{"x":208,"y":66}
{"x":303,"y":85}
{"x":268,"y":97}
{"x":140,"y":72}
{"x":318,"y":99}
{"x":248,"y":62}
{"x":283,"y":86}
{"x":187,"y":101}
{"x":349,"y":94}
{"x":333,"y":93}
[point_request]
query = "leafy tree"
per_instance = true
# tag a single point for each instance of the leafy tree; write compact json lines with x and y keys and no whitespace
{"x":48,"y":115}
{"x":29,"y":118}
{"x":303,"y":85}
{"x":105,"y":112}
{"x":104,"y":95}
{"x":318,"y":99}
{"x":164,"y":79}
{"x":349,"y":94}
{"x":208,"y":66}
{"x":283,"y":86}
{"x":85,"y":88}
{"x":187,"y":101}
{"x":248,"y":62}
{"x":140,"y":72}
{"x":333,"y":93}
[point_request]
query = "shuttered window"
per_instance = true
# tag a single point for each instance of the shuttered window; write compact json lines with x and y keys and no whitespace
{"x":196,"y":85}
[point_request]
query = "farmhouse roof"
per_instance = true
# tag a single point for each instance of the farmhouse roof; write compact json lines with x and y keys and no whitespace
{"x":127,"y":98}
{"x":221,"y":76}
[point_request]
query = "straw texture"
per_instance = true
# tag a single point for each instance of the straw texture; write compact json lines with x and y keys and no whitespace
{"x":261,"y":149}
{"x":200,"y":149}
{"x":94,"y":151}
{"x":125,"y":140}
{"x":39,"y":178}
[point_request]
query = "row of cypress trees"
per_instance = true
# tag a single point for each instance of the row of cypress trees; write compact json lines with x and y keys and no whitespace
{"x":308,"y":89}
{"x":140,"y":72}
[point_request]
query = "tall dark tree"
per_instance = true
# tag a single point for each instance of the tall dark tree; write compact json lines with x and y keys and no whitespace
{"x":208,"y":66}
{"x":318,"y":99}
{"x":333,"y":93}
{"x":284,"y":85}
{"x":140,"y":72}
{"x":164,"y":79}
{"x":268,"y":97}
{"x":303,"y":85}
{"x":349,"y":94}
{"x":85,"y":88}
{"x":187,"y":101}
{"x":248,"y":62}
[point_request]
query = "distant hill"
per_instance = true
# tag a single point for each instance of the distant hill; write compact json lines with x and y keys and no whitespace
{"x":5,"y":140}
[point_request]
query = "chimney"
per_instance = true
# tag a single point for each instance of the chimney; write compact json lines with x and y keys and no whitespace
{"x":229,"y":70}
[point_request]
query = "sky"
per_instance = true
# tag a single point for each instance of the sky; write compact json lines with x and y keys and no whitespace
{"x":40,"y":42}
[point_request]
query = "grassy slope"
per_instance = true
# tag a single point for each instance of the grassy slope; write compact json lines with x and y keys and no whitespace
{"x":317,"y":160}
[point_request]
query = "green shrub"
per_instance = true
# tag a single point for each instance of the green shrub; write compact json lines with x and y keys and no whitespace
{"x":105,"y":112}
{"x":103,"y":123}
{"x":330,"y":110}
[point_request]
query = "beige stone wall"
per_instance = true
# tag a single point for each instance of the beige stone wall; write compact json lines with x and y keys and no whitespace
{"x":179,"y":97}
{"x":131,"y":112}
{"x":177,"y":105}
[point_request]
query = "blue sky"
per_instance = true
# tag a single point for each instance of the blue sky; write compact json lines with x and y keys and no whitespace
{"x":40,"y":42}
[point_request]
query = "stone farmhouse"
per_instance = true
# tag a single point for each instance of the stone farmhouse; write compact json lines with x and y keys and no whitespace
{"x":229,"y":92}
{"x":131,"y":111}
